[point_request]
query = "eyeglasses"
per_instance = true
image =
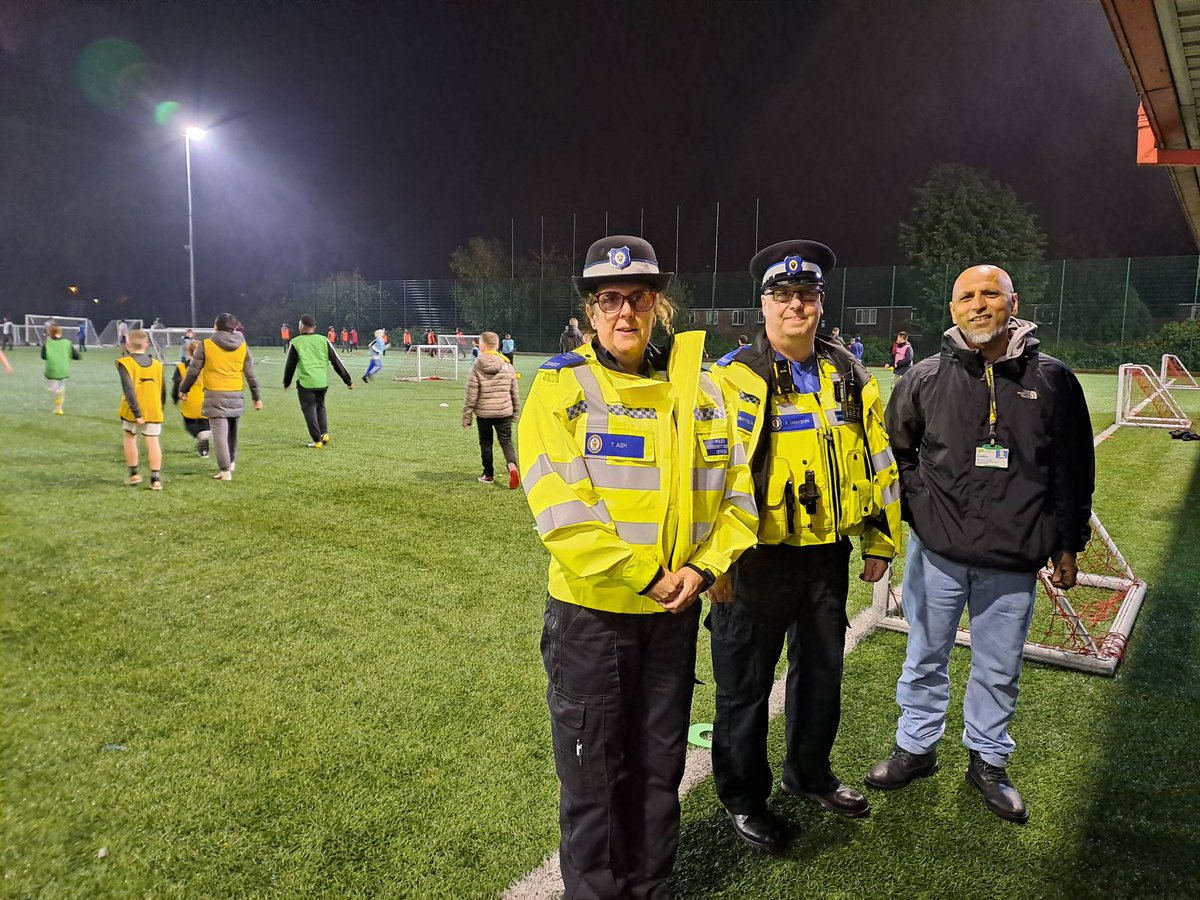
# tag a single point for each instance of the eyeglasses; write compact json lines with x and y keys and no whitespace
{"x":786,"y":293}
{"x":639,"y":301}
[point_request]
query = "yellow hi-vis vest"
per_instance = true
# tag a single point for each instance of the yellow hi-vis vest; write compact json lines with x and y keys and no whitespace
{"x":852,"y":465}
{"x":193,"y":406}
{"x":627,"y":474}
{"x":147,"y":387}
{"x":223,"y":368}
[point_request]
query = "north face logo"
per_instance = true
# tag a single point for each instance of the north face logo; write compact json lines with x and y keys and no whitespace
{"x":1028,"y":395}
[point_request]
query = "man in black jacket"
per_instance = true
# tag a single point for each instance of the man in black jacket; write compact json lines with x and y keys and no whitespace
{"x":994,"y":444}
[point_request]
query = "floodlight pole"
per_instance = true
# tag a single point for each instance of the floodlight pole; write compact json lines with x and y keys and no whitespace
{"x":188,"y":134}
{"x":187,"y":161}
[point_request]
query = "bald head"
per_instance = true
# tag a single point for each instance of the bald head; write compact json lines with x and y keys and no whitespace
{"x":982,"y":304}
{"x":984,"y":273}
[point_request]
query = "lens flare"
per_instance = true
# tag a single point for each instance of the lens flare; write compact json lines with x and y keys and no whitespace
{"x":107,"y":69}
{"x":166,"y":111}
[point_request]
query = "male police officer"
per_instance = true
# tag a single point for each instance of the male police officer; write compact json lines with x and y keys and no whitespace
{"x":812,"y":422}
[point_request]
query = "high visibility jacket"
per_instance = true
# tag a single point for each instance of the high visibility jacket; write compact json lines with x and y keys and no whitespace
{"x":192,"y":407}
{"x":223,"y":368}
{"x":628,"y":474}
{"x":147,"y":387}
{"x":818,"y":476}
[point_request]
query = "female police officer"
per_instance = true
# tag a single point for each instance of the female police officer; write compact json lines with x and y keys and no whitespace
{"x":642,"y":495}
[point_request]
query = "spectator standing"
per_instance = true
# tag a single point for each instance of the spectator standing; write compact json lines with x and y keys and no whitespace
{"x":997,"y":469}
{"x":856,"y":347}
{"x":508,"y":347}
{"x":6,"y":334}
{"x":572,"y":337}
{"x":81,"y":337}
{"x":493,"y":400}
{"x":902,"y":355}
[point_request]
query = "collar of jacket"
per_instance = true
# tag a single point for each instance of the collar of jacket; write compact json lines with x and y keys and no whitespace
{"x":759,"y":357}
{"x":654,"y":360}
{"x":1022,"y":346}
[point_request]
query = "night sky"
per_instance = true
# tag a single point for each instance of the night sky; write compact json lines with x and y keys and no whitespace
{"x":378,"y":137}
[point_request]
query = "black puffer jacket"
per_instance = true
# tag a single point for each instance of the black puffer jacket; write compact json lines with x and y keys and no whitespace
{"x":1012,"y":519}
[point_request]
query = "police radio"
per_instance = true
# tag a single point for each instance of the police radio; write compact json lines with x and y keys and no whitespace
{"x":848,"y":392}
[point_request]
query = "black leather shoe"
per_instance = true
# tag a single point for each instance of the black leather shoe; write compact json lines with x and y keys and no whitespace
{"x":844,"y":801}
{"x":763,"y":832}
{"x":998,"y":793}
{"x":900,"y":768}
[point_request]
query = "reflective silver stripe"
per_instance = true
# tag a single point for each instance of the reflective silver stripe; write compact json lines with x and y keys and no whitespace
{"x":637,"y":478}
{"x":570,"y":472}
{"x":891,"y":493}
{"x":700,"y":531}
{"x":708,"y":479}
{"x":883,"y":459}
{"x":738,"y":458}
{"x":572,"y":512}
{"x":744,"y":502}
{"x":786,"y":409}
{"x":834,"y":417}
{"x":638,"y":532}
{"x":710,"y":387}
{"x":597,"y":409}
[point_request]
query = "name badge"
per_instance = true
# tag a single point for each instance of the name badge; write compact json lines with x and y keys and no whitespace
{"x":745,"y":421}
{"x":991,"y":456}
{"x":619,"y":445}
{"x":716,"y":448}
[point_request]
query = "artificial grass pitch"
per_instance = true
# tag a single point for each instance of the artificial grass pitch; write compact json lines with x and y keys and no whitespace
{"x":323,"y":678}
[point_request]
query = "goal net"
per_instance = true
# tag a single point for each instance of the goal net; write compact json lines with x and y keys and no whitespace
{"x":1142,"y":399}
{"x":34,"y":331}
{"x":108,"y":337}
{"x":427,"y":362}
{"x":167,"y":343}
{"x":463,"y":342}
{"x":1175,"y":376}
{"x":1085,"y":628}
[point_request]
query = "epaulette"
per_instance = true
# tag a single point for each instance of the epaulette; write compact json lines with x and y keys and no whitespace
{"x":563,"y":361}
{"x":728,"y":357}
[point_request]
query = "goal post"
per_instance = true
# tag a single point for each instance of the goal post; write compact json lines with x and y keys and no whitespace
{"x":35,"y":329}
{"x":1085,"y":628}
{"x":108,"y":337}
{"x":427,"y":362}
{"x":1175,"y":376}
{"x":1144,"y":400}
{"x":167,"y":343}
{"x":463,"y":342}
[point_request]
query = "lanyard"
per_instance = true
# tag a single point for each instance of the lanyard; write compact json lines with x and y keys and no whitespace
{"x":991,"y":383}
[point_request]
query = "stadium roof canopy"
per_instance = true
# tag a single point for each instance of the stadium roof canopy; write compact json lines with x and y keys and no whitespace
{"x":1160,"y":42}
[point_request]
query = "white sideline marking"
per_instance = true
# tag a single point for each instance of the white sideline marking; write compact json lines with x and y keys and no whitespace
{"x":546,"y":881}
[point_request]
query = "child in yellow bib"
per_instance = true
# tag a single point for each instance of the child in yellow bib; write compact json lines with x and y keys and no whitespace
{"x":143,"y":396}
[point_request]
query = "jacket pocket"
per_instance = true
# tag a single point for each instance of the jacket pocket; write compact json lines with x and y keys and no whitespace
{"x":774,"y":520}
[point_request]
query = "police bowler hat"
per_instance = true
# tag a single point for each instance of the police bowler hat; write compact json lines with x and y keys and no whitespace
{"x":806,"y":262}
{"x":620,"y":257}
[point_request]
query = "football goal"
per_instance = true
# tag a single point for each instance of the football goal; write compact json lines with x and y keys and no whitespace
{"x":1084,"y":628}
{"x":167,"y":343}
{"x":34,"y":331}
{"x":108,"y":337}
{"x":426,"y":362}
{"x":463,"y":342}
{"x":1175,"y":376}
{"x":1142,"y":399}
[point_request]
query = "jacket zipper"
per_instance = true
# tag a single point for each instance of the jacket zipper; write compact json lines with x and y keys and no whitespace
{"x":835,"y":481}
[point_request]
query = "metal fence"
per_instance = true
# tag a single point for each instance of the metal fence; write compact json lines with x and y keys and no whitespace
{"x":1094,"y":313}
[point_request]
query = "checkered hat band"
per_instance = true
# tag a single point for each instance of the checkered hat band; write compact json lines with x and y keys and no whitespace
{"x":635,"y":267}
{"x":780,"y":268}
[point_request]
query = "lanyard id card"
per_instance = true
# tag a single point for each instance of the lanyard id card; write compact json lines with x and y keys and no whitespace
{"x":991,"y":456}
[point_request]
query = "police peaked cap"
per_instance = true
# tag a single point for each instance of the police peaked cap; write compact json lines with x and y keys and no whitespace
{"x":620,"y":257}
{"x":792,"y":261}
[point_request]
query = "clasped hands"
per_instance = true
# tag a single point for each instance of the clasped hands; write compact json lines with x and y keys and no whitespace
{"x":676,"y":591}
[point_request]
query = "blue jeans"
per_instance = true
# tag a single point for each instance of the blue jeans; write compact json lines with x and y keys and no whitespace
{"x":374,"y":366}
{"x":1000,"y":607}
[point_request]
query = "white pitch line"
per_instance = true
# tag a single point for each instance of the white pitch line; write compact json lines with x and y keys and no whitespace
{"x":546,"y":881}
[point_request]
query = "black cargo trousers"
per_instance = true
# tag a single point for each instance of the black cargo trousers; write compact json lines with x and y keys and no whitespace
{"x":779,"y":590}
{"x":620,"y":698}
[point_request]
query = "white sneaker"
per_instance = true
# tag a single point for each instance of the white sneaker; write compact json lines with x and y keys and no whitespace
{"x":225,"y":475}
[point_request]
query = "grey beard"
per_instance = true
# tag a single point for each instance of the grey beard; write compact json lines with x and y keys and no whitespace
{"x":981,"y":339}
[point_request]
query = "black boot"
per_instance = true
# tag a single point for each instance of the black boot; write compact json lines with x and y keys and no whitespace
{"x":998,"y":793}
{"x":900,"y":768}
{"x":763,"y":832}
